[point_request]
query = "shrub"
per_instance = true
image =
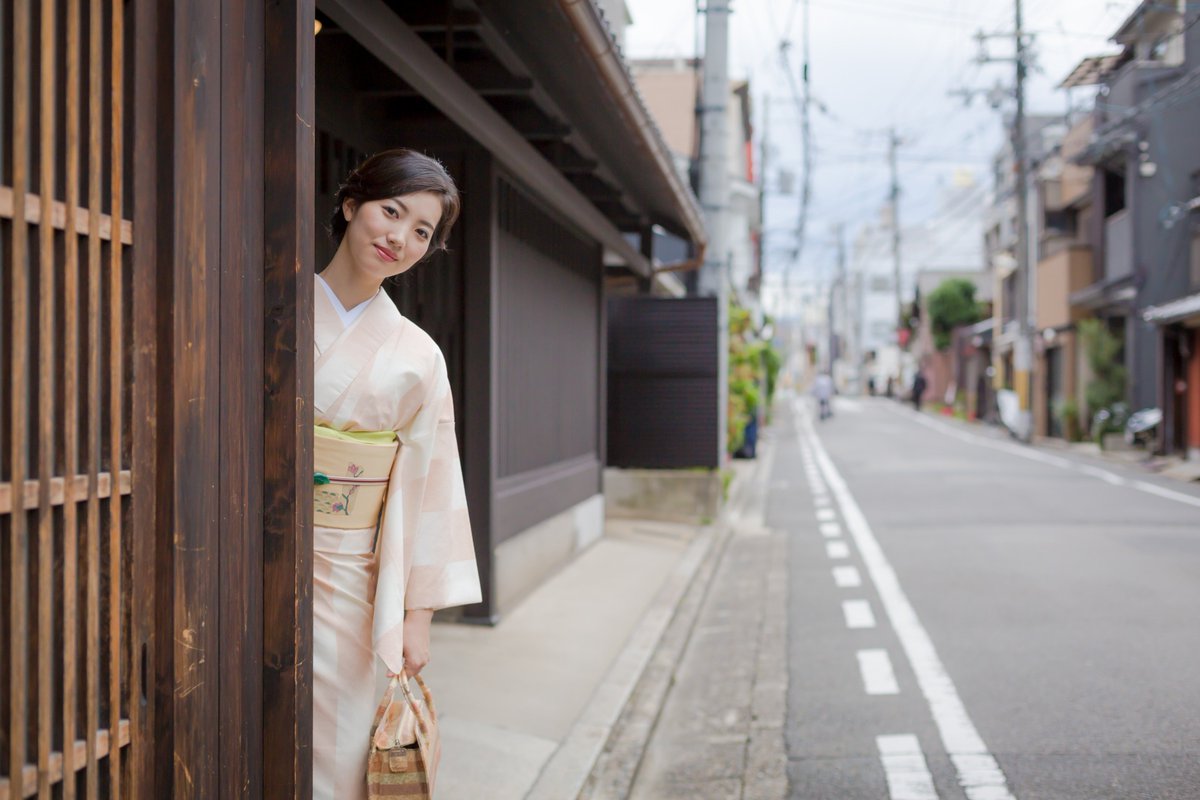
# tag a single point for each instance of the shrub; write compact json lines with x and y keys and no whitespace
{"x":951,"y":305}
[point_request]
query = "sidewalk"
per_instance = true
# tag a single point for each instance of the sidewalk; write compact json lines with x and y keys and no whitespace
{"x":526,"y":706}
{"x":529,"y":706}
{"x":707,"y":718}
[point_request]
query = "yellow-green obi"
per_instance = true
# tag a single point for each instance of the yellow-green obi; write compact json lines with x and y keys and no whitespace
{"x":350,"y":479}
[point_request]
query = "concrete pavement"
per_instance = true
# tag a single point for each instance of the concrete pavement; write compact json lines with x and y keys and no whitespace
{"x":530,"y":707}
{"x":706,"y":720}
{"x":522,"y":704}
{"x":1031,"y":607}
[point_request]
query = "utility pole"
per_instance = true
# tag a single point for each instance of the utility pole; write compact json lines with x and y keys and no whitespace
{"x":714,"y":193}
{"x":763,"y":155}
{"x":893,"y":143}
{"x":1023,"y":348}
{"x":838,"y":339}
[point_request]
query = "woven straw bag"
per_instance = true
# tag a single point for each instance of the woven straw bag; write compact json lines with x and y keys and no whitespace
{"x":396,"y":767}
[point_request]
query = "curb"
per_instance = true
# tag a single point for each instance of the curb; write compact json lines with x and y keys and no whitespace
{"x":567,"y":769}
{"x":566,"y":772}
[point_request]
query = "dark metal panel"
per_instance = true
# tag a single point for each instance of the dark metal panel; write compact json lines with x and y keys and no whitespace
{"x":662,"y":382}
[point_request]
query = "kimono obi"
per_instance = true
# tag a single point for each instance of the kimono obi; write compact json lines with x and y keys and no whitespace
{"x":350,"y":479}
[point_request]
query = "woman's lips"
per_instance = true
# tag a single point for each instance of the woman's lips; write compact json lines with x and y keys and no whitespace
{"x":385,"y":254}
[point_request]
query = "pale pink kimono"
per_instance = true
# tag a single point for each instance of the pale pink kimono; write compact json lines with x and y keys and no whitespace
{"x":382,"y":372}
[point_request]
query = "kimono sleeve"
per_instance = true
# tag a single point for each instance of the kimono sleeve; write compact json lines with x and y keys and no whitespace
{"x":439,"y":555}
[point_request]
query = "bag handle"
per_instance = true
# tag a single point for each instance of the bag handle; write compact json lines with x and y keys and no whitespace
{"x":390,"y":711}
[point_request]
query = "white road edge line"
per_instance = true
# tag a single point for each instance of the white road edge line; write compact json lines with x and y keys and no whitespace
{"x":858,"y":614}
{"x":1063,"y":463}
{"x":878,"y":677}
{"x":978,"y":772}
{"x":846,"y":577}
{"x":904,"y":767}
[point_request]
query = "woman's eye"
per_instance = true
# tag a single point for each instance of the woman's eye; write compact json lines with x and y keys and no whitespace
{"x":424,"y":234}
{"x":391,"y":211}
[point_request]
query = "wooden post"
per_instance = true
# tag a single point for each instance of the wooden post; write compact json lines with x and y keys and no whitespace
{"x":288,"y":384}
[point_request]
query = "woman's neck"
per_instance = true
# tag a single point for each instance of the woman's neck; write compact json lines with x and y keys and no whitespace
{"x":350,"y":285}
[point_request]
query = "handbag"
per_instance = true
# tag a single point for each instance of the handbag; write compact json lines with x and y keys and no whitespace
{"x":396,"y":767}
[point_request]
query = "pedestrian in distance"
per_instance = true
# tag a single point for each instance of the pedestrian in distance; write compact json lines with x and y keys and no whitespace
{"x":384,"y":431}
{"x":823,"y":392}
{"x":918,"y":389}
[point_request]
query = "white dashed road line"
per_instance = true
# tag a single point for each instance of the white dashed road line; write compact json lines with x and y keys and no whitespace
{"x":837,"y":549}
{"x":846,"y":577}
{"x":904,"y":765}
{"x":830,"y":530}
{"x":877,"y":674}
{"x":978,"y":772}
{"x":858,"y":614}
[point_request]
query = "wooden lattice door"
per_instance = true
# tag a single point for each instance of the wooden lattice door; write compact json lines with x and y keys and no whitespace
{"x":76,"y":363}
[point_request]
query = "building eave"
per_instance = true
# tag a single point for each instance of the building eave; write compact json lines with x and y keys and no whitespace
{"x":1185,"y":309}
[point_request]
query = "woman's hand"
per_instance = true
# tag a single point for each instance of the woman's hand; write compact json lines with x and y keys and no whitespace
{"x":417,"y":622}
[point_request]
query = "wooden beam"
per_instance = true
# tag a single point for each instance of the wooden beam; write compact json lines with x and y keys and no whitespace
{"x":63,"y":764}
{"x":565,"y":158}
{"x":59,"y":216}
{"x":394,"y":43}
{"x":486,"y":79}
{"x":439,"y":16}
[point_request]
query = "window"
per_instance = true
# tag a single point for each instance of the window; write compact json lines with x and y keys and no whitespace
{"x":1196,"y":256}
{"x":1114,"y":192}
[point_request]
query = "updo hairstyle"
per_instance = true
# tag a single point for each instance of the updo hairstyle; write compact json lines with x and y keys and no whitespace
{"x":395,"y":173}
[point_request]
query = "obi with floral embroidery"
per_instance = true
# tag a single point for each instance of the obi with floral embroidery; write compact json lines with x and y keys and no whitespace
{"x":350,"y":476}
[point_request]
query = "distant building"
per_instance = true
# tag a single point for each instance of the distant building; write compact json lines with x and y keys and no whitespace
{"x":1144,"y":225}
{"x":670,"y":87}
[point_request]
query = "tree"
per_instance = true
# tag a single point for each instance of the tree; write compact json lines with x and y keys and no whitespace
{"x":1103,"y":351}
{"x":951,"y":305}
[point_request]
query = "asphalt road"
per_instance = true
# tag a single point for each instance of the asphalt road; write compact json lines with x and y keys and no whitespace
{"x":1040,"y":614}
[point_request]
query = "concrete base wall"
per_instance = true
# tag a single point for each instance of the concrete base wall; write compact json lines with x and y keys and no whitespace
{"x":676,"y":495}
{"x":524,"y":561}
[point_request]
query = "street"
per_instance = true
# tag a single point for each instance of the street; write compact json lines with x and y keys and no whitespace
{"x":969,"y":617}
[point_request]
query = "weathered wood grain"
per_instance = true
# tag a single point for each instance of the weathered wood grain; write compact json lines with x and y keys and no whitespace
{"x":19,"y":370}
{"x":287,"y":369}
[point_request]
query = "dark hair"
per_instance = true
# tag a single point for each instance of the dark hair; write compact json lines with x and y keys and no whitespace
{"x":395,"y":173}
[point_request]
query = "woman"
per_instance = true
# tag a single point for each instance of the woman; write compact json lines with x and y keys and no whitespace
{"x":391,"y":535}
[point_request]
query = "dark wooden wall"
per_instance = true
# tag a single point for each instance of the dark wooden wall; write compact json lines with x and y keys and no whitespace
{"x":548,"y":334}
{"x":662,"y":382}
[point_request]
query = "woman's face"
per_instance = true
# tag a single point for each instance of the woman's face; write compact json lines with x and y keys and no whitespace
{"x":386,"y":237}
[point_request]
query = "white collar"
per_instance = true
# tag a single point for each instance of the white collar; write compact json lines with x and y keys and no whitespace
{"x":347,"y":316}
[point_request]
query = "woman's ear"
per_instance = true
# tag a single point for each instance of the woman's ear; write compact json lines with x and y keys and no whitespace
{"x":348,"y":207}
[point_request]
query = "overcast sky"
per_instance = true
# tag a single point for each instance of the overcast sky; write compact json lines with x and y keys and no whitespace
{"x":877,"y":64}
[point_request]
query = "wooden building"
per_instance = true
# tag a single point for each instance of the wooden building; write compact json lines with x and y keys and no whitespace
{"x":166,"y":173}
